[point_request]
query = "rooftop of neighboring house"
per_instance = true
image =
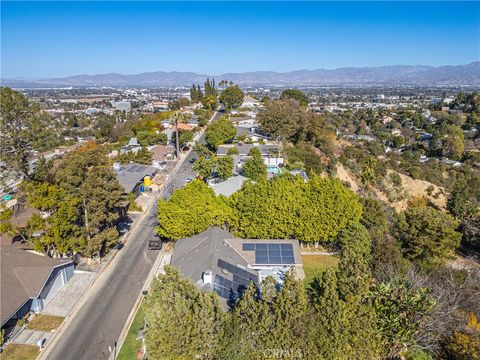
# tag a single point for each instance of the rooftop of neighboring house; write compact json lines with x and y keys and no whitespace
{"x":193,"y":121}
{"x":250,"y":131}
{"x":23,"y":277}
{"x":130,"y":175}
{"x":240,"y":119}
{"x":159,"y":152}
{"x":183,"y":126}
{"x":133,"y":142}
{"x":229,"y":186}
{"x":244,"y":149}
{"x":216,"y":260}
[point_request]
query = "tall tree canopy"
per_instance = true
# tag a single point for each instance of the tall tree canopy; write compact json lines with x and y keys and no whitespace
{"x":182,"y":321}
{"x":190,"y":211}
{"x":231,"y":97}
{"x":219,"y":132}
{"x":209,"y":102}
{"x":254,"y":168}
{"x":428,"y":235}
{"x":295,"y":95}
{"x":286,"y":120}
{"x":83,"y":198}
{"x":314,"y":211}
{"x":24,"y":127}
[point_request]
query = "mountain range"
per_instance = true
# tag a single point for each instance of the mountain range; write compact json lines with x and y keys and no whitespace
{"x":468,"y":74}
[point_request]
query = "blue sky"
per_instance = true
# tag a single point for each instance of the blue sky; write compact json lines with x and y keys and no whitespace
{"x":47,"y":39}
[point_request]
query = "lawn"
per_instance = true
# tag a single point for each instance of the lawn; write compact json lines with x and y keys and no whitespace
{"x":131,"y":345}
{"x":314,"y":265}
{"x":19,"y":352}
{"x":45,"y":322}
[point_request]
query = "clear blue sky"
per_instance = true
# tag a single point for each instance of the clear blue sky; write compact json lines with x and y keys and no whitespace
{"x":47,"y":39}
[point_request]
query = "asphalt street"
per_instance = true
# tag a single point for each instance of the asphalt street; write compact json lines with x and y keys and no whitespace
{"x":185,"y":170}
{"x":102,"y":317}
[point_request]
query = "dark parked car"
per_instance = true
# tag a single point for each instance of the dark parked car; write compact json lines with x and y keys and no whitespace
{"x":155,"y":245}
{"x":118,"y":245}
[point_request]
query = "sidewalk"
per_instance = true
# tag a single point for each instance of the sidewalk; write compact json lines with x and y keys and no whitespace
{"x":31,"y":337}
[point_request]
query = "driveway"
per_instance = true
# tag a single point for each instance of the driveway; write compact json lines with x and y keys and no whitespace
{"x":64,"y":301}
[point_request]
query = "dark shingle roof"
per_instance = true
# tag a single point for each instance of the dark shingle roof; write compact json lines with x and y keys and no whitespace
{"x":130,"y":175}
{"x":23,"y":277}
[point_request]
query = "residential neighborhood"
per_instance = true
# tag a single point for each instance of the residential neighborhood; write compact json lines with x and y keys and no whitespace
{"x":236,"y":181}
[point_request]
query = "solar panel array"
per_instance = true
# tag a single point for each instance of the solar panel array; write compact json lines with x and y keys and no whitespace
{"x":279,"y":254}
{"x":228,"y":288}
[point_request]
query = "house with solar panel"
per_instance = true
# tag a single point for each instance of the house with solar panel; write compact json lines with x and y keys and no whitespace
{"x":217,"y":261}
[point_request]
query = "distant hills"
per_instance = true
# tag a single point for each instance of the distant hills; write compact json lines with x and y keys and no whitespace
{"x":385,"y":75}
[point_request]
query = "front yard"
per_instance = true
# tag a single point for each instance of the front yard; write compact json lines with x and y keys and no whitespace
{"x":131,"y":345}
{"x":314,"y":265}
{"x":19,"y":352}
{"x":45,"y":322}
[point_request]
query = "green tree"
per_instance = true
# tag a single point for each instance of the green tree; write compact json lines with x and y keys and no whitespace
{"x":210,"y":102}
{"x":181,"y":321}
{"x":379,"y":219}
{"x":269,"y":316}
{"x":254,"y":167}
{"x":231,"y":97}
{"x":204,"y":151}
{"x":146,"y":138}
{"x":459,"y":202}
{"x":143,"y":156}
{"x":342,"y":328}
{"x":42,"y":171}
{"x":295,"y":95}
{"x":232,"y":151}
{"x":104,"y":125}
{"x":224,"y":167}
{"x":453,"y":143}
{"x":286,"y":120}
{"x":428,"y":235}
{"x":24,"y":127}
{"x":184,"y":137}
{"x":400,"y":307}
{"x":191,"y":210}
{"x":220,"y":132}
{"x":355,"y":260}
{"x":86,"y":175}
{"x":281,"y":119}
{"x":203,"y":166}
{"x":312,"y":212}
{"x":63,"y":234}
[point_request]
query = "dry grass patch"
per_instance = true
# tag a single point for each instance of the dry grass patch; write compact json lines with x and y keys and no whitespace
{"x":45,"y":322}
{"x":19,"y":352}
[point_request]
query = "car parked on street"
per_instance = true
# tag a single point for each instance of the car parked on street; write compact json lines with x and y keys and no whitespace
{"x":155,"y":245}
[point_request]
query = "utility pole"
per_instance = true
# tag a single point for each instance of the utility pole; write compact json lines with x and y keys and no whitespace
{"x":176,"y":136}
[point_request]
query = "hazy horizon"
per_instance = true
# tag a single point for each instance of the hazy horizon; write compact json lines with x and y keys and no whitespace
{"x":217,"y":75}
{"x":42,"y":40}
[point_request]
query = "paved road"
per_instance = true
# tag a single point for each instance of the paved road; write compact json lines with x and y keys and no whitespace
{"x":185,"y":170}
{"x":101,"y":319}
